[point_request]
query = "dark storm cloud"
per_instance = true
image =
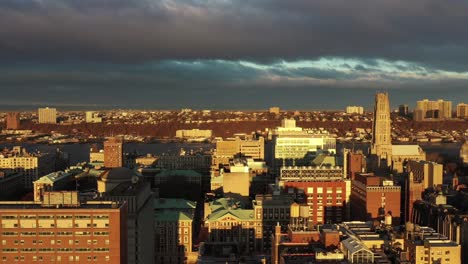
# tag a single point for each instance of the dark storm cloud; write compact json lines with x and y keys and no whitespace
{"x":430,"y":32}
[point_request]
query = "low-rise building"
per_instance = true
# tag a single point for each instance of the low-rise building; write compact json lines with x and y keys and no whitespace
{"x":425,"y":246}
{"x":226,"y":221}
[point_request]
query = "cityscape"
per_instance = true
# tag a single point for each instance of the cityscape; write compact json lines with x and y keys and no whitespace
{"x":233,"y":132}
{"x":351,"y":186}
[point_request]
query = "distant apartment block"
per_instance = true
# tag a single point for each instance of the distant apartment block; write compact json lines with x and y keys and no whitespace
{"x":47,"y":115}
{"x":194,"y":133}
{"x":31,"y":165}
{"x":93,"y":117}
{"x":430,"y":110}
{"x":13,"y":120}
{"x":403,"y":110}
{"x":248,"y":148}
{"x":462,"y":110}
{"x":274,"y":110}
{"x":464,"y":152}
{"x":355,"y":110}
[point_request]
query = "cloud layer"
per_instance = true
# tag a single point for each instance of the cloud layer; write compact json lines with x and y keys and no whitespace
{"x":215,"y":46}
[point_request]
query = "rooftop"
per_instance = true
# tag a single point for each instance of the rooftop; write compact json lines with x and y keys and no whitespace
{"x":29,"y":205}
{"x":57,"y":176}
{"x":172,"y":216}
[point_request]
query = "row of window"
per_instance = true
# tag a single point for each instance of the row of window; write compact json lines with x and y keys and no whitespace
{"x":54,"y":216}
{"x":15,"y":250}
{"x":58,"y":258}
{"x":78,"y":233}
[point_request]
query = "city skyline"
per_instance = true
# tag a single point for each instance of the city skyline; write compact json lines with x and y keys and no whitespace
{"x":227,"y":55}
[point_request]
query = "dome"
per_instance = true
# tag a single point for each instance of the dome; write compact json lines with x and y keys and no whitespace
{"x":118,"y":174}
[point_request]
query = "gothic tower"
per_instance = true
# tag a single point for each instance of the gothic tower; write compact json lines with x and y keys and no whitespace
{"x":381,"y":146}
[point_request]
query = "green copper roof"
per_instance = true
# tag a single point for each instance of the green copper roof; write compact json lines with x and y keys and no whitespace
{"x":224,"y":206}
{"x":241,"y":214}
{"x":172,"y":216}
{"x":56,"y":176}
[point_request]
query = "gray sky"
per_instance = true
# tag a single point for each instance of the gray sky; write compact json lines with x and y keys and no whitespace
{"x":303,"y":54}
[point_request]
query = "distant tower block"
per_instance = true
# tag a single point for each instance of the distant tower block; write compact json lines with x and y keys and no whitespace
{"x":113,"y":153}
{"x":13,"y":120}
{"x":381,"y":129}
{"x":47,"y":115}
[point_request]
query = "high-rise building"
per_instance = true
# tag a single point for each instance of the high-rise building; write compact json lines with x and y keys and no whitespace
{"x":462,"y":110}
{"x":61,"y":229}
{"x":356,"y":164}
{"x":426,"y":109}
{"x":92,"y":117}
{"x":421,"y":176}
{"x":373,"y":197}
{"x":383,"y":154}
{"x":381,"y":145}
{"x":47,"y":115}
{"x":403,"y":110}
{"x":355,"y":110}
{"x":113,"y":153}
{"x":122,"y":184}
{"x":321,"y":187}
{"x":13,"y":120}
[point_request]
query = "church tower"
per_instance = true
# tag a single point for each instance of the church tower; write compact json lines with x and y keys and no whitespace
{"x":381,"y":146}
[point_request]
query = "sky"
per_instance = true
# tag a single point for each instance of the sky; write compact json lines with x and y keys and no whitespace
{"x":226,"y":54}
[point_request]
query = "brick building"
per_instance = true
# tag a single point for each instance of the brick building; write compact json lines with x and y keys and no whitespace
{"x":13,"y":120}
{"x":372,"y":197}
{"x":322,"y":188}
{"x":113,"y":153}
{"x":51,"y":231}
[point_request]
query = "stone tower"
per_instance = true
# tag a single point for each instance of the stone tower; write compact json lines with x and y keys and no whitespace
{"x":381,"y":146}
